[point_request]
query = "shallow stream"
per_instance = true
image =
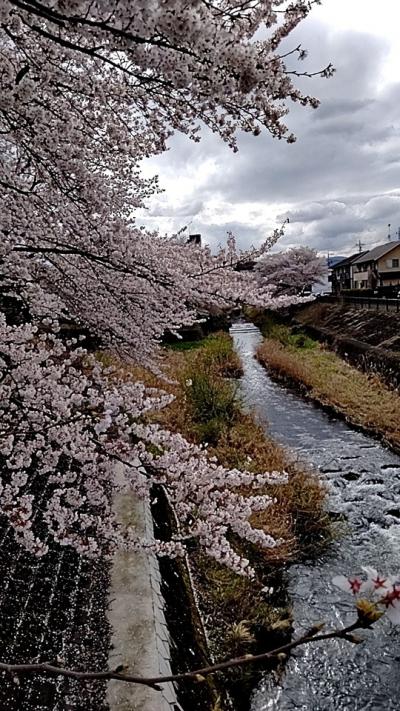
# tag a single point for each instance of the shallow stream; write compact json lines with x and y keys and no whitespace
{"x":363,"y":479}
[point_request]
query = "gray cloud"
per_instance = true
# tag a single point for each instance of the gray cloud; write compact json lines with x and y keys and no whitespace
{"x":186,"y":209}
{"x":335,"y":178}
{"x":338,"y":225}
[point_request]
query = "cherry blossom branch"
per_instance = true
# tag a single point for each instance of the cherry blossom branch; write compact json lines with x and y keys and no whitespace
{"x":57,"y":18}
{"x":310,"y":636}
{"x":328,"y":71}
{"x":91,"y":89}
{"x":238,"y":259}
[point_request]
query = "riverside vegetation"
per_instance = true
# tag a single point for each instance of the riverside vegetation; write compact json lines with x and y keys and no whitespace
{"x":247,"y":615}
{"x":362,"y":398}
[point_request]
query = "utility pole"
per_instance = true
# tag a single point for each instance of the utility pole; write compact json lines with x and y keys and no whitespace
{"x":360,"y":245}
{"x":389,"y":235}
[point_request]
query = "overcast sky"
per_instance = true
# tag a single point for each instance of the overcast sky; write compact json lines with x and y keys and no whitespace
{"x":339,"y":183}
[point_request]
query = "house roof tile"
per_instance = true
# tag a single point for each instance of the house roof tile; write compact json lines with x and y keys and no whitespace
{"x":377,"y":252}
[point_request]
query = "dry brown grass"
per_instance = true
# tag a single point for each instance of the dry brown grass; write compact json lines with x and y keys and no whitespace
{"x":298,"y":516}
{"x":231,"y":599}
{"x":362,"y":398}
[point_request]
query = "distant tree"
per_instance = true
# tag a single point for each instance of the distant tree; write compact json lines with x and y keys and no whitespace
{"x":292,"y":272}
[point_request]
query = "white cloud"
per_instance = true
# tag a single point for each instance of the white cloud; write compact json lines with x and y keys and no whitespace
{"x":379,"y":19}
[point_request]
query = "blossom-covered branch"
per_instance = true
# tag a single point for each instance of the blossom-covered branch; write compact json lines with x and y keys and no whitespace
{"x":86,"y":94}
{"x":197,"y":674}
{"x":384,"y":594}
{"x":65,"y":421}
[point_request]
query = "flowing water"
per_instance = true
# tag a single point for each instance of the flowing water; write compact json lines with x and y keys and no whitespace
{"x":364,"y":485}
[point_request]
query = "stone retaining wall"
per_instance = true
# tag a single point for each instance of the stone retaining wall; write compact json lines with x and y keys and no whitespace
{"x":366,"y":339}
{"x":59,"y":609}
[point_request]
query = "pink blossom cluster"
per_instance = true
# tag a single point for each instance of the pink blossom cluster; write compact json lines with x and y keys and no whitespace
{"x":205,"y":494}
{"x":65,"y":422}
{"x":383,"y":589}
{"x":62,"y":422}
{"x":293,"y":271}
{"x":174,"y":62}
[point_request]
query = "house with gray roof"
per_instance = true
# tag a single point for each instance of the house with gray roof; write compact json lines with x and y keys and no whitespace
{"x":378,"y":267}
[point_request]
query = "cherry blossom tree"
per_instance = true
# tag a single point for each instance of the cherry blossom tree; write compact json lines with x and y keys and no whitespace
{"x":87,"y":90}
{"x":293,"y":271}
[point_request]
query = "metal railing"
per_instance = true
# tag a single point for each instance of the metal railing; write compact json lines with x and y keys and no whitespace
{"x":369,"y":302}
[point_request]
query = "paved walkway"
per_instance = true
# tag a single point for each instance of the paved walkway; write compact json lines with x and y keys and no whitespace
{"x":140,"y":636}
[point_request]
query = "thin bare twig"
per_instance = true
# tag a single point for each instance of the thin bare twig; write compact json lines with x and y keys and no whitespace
{"x":195,"y":675}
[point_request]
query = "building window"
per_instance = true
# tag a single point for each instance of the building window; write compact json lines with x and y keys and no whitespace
{"x":356,"y":284}
{"x":395,"y":263}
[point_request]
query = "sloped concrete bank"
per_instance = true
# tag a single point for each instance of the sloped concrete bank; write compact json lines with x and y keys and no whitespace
{"x":51,"y":607}
{"x":367,"y":339}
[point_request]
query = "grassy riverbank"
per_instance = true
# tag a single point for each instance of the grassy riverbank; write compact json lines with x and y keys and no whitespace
{"x":362,"y":398}
{"x":207,"y":409}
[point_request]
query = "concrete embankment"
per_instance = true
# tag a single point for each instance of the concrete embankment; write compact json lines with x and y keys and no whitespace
{"x":140,"y":637}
